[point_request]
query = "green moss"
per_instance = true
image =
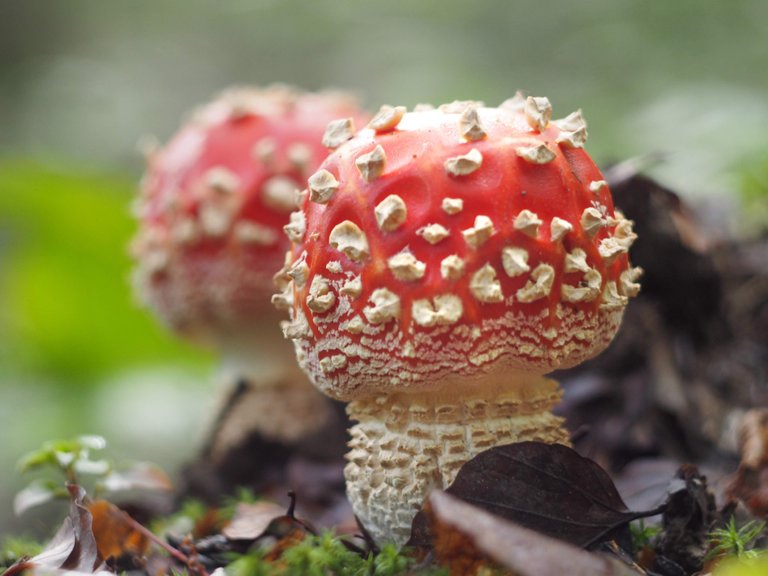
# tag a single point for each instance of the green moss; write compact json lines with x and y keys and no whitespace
{"x":13,"y":549}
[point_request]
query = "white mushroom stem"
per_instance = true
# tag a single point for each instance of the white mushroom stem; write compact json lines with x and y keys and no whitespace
{"x":260,"y":389}
{"x":407,"y":444}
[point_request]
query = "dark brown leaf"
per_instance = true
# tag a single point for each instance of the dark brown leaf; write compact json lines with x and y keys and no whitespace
{"x":467,"y":537}
{"x":545,"y":487}
{"x":687,"y":521}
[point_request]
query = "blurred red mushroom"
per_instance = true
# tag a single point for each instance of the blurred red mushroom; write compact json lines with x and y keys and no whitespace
{"x":443,"y":262}
{"x":213,"y":205}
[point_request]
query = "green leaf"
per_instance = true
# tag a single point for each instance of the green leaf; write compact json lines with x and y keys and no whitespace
{"x":36,"y":459}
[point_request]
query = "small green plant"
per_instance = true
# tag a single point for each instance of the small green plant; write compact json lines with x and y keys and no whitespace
{"x":736,"y":542}
{"x":324,"y":554}
{"x":251,"y":564}
{"x":643,"y":534}
{"x":71,"y":461}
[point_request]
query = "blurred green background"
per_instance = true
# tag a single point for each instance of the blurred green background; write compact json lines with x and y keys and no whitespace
{"x":82,"y":81}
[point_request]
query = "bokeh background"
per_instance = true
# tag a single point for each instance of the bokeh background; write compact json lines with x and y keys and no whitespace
{"x":82,"y":81}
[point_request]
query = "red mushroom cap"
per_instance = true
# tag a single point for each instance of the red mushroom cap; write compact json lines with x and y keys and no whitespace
{"x":456,"y":242}
{"x":215,"y":200}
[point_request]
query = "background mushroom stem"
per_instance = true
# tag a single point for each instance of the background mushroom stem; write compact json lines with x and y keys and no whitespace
{"x":262,"y":390}
{"x":406,"y":444}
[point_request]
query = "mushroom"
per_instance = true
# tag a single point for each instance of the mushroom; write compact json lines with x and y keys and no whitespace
{"x":481,"y":259}
{"x":212,"y":209}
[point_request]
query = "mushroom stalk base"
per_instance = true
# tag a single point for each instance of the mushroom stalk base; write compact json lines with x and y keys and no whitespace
{"x":407,"y":444}
{"x":277,"y":402}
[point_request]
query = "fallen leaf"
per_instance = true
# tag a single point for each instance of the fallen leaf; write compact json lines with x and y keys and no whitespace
{"x":749,"y":483}
{"x":115,"y":534}
{"x":687,"y":521}
{"x":549,"y":488}
{"x":467,"y":537}
{"x":250,"y":521}
{"x":73,"y":547}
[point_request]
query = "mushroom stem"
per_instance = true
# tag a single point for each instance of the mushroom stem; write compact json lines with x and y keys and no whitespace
{"x":262,"y":390}
{"x":407,"y":444}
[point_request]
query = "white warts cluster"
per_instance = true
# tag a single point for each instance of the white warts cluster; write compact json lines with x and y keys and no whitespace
{"x":352,"y":287}
{"x":222,"y":180}
{"x":540,"y":285}
{"x":479,"y":233}
{"x":218,"y":206}
{"x":576,"y":261}
{"x":538,"y":111}
{"x":354,"y":325}
{"x":485,"y":286}
{"x":337,"y":132}
{"x":321,"y":298}
{"x":247,"y":232}
{"x":558,"y":228}
{"x":406,"y":267}
{"x":610,"y":248}
{"x":300,"y":156}
{"x":350,"y":240}
{"x":528,"y":223}
{"x":452,"y":206}
{"x":596,"y":186}
{"x":465,"y":164}
{"x":296,"y":227}
{"x":385,"y":307}
{"x":624,"y":233}
{"x":628,"y":281}
{"x":538,"y":154}
{"x":387,"y":118}
{"x":333,"y":363}
{"x":433,"y":233}
{"x":322,"y":186}
{"x":299,"y":271}
{"x":514,"y":261}
{"x":372,"y":165}
{"x":264,"y":150}
{"x":587,"y":290}
{"x":469,"y":125}
{"x":442,"y":311}
{"x":452,"y":267}
{"x":592,"y":221}
{"x":573,"y":130}
{"x":390,"y":213}
{"x":612,"y":300}
{"x":281,"y":194}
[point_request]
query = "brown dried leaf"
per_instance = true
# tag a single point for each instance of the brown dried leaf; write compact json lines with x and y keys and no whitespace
{"x":115,"y":534}
{"x":468,"y":537}
{"x":250,"y":521}
{"x":749,"y":484}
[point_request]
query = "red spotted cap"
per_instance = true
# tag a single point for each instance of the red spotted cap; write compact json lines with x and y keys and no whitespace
{"x":451,"y":243}
{"x":215,"y":199}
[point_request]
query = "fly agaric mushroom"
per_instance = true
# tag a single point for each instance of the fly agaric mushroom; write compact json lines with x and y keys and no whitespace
{"x":213,"y":207}
{"x":464,"y":253}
